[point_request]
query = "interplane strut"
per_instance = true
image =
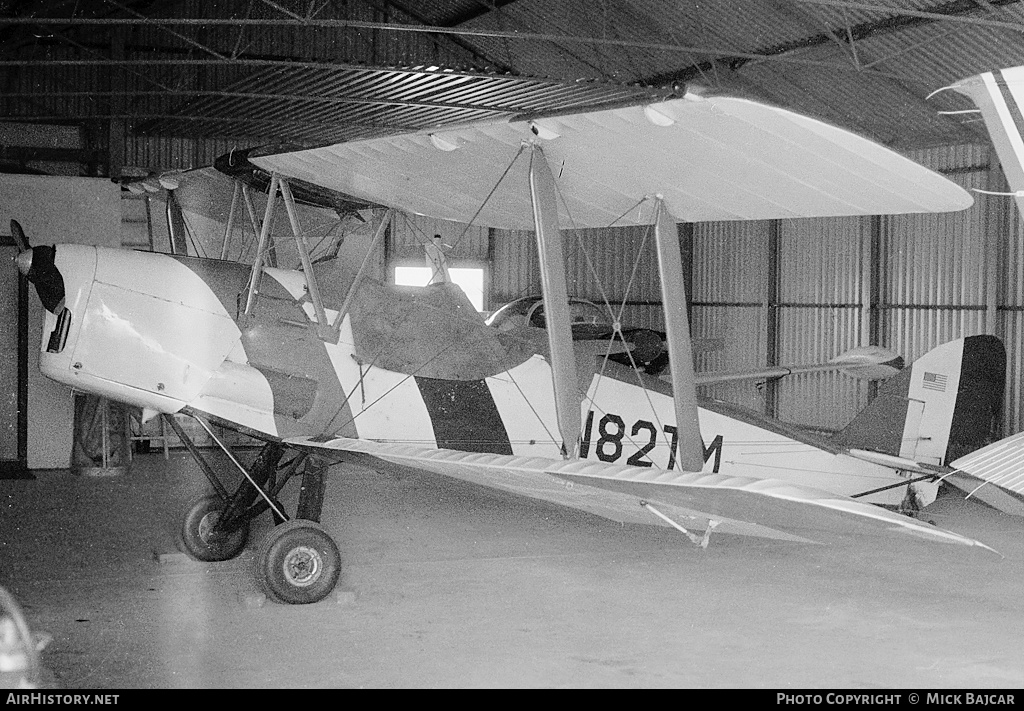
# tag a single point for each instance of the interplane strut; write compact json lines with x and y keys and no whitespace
{"x":680,"y":347}
{"x":556,"y":301}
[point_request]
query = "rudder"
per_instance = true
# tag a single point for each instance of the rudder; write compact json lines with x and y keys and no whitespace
{"x":943,"y":406}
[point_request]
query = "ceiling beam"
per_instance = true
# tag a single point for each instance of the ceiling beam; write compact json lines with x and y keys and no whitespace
{"x":217,"y":93}
{"x":520,"y":36}
{"x":898,"y":19}
{"x":482,"y":8}
{"x":955,"y":11}
{"x":457,"y":41}
{"x":219,"y":118}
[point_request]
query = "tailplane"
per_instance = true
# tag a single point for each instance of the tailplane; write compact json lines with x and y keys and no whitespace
{"x":943,"y":406}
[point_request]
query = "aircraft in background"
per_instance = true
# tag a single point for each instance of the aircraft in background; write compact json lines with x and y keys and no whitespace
{"x":345,"y":367}
{"x":995,"y":473}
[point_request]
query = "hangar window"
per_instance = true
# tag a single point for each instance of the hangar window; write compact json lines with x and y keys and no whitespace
{"x":470,"y":279}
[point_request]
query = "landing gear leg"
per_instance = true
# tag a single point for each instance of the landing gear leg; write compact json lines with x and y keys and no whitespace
{"x":205,"y":533}
{"x":910,"y":506}
{"x":298,"y":562}
{"x":216,"y":526}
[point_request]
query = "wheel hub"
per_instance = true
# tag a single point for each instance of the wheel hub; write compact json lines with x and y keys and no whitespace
{"x":303,"y":566}
{"x":207,"y":525}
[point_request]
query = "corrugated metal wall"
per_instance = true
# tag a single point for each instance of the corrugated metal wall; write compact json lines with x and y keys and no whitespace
{"x":411,"y":232}
{"x":1011,"y":322}
{"x":935,"y":278}
{"x":599,"y":268}
{"x":730,"y":291}
{"x":616,"y":266}
{"x":820,"y":314}
{"x":515,"y":269}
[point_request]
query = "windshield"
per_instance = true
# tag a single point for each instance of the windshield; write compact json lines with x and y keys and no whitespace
{"x":529,"y":310}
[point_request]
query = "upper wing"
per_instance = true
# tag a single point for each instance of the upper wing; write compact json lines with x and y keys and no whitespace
{"x":713,"y":158}
{"x":615,"y":491}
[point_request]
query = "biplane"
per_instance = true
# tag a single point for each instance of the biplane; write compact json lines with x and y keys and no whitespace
{"x":349,"y":368}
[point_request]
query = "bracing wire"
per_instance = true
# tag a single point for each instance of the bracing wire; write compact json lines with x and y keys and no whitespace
{"x":197,"y":246}
{"x":490,"y":194}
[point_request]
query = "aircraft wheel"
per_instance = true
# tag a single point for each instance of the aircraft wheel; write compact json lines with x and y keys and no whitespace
{"x":298,"y":563}
{"x":198,"y":537}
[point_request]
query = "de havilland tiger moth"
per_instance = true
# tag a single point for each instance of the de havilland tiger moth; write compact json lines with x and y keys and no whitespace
{"x":350,"y":368}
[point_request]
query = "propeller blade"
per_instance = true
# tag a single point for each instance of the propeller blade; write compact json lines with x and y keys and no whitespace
{"x":47,"y":278}
{"x":19,"y":236}
{"x":38,"y":264}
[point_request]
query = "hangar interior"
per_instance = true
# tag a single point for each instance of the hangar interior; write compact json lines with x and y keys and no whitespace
{"x":104,"y":105}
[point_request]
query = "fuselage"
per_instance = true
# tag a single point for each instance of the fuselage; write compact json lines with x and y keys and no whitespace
{"x":167,"y":334}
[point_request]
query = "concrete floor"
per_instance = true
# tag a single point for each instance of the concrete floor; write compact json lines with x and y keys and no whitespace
{"x":450,"y":585}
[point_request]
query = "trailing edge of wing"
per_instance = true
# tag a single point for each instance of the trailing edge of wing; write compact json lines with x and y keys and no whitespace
{"x":770,"y":503}
{"x":714,"y":158}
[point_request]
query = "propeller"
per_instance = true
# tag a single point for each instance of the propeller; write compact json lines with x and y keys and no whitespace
{"x":37,"y":263}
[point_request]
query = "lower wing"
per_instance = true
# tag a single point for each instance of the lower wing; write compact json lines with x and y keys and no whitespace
{"x":765,"y":507}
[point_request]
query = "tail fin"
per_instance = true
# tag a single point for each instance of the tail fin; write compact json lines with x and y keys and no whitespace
{"x":1000,"y":96}
{"x":943,"y":406}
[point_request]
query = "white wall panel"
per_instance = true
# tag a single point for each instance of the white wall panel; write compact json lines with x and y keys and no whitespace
{"x":90,"y":213}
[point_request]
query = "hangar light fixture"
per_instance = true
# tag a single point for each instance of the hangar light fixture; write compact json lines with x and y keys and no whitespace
{"x":543,"y":130}
{"x":657,"y":116}
{"x":443,"y":144}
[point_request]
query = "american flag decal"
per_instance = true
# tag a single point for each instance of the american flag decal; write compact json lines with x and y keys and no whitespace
{"x":935,"y":381}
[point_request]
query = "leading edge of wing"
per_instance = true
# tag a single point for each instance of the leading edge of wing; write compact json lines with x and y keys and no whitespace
{"x":713,"y":158}
{"x":769,"y":503}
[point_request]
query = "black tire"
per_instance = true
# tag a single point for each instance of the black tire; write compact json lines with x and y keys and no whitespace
{"x":298,"y":563}
{"x":198,"y":539}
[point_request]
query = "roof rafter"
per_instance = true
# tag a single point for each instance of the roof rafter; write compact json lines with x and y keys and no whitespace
{"x":458,"y":41}
{"x":897,"y":19}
